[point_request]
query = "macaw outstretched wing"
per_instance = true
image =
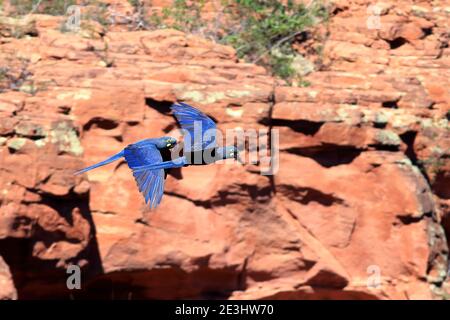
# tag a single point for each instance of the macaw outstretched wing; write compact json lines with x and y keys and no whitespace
{"x":150,"y":182}
{"x":189,"y":117}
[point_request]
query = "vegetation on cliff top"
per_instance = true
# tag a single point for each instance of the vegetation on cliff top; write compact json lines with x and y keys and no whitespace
{"x":269,"y":28}
{"x":55,"y":7}
{"x":261,"y":31}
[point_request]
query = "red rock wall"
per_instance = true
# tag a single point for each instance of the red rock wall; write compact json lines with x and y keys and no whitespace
{"x":362,"y":182}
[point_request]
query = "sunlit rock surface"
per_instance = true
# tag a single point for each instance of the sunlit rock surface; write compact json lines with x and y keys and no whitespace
{"x":357,"y":210}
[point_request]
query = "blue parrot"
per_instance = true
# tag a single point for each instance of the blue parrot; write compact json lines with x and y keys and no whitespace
{"x":150,"y":159}
{"x":141,"y":153}
{"x":199,"y":146}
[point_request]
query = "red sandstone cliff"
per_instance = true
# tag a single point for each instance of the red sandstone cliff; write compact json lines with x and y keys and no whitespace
{"x":363,"y":181}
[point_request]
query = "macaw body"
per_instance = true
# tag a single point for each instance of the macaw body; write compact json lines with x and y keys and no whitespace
{"x":150,"y":159}
{"x":145,"y":152}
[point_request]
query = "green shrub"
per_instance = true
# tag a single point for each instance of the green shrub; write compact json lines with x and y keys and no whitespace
{"x":184,"y":15}
{"x":268,"y":29}
{"x":52,"y":7}
{"x":281,"y":65}
{"x":97,"y":11}
{"x":16,"y":77}
{"x":261,"y":31}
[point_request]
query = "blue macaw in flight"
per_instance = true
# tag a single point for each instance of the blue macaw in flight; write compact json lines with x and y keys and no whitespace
{"x":199,"y":146}
{"x":150,"y":161}
{"x":144,"y":152}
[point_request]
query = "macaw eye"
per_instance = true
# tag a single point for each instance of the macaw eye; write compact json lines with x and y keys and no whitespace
{"x":170,"y":143}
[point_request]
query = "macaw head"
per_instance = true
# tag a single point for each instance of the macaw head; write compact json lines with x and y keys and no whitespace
{"x":166,"y":142}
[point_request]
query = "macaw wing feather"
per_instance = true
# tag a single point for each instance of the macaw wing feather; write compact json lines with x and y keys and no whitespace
{"x":149,"y":182}
{"x":138,"y":155}
{"x":188,"y":116}
{"x":151,"y":185}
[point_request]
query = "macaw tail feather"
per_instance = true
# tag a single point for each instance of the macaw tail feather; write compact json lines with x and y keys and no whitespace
{"x":109,"y":160}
